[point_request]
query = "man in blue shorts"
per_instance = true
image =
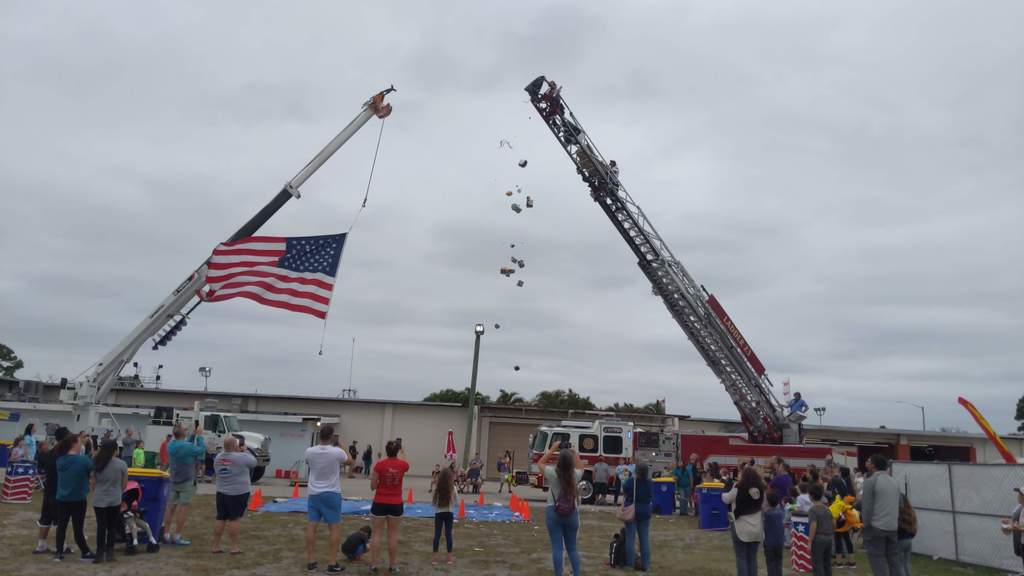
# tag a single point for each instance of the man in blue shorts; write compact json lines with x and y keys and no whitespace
{"x":324,"y":496}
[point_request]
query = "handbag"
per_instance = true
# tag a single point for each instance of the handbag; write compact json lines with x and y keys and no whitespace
{"x":627,"y":514}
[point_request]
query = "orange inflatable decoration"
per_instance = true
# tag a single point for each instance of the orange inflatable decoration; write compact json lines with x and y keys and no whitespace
{"x":987,"y":429}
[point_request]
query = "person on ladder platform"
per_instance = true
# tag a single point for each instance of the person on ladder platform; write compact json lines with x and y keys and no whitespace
{"x":798,"y":406}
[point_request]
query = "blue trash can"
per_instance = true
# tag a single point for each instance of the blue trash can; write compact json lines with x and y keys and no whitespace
{"x":156,"y":488}
{"x":664,"y":496}
{"x":5,"y":448}
{"x":714,"y":514}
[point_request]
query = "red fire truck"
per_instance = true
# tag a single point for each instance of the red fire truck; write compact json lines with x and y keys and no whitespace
{"x":620,"y":442}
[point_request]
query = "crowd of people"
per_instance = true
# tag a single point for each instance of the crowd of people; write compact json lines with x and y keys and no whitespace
{"x":764,"y":503}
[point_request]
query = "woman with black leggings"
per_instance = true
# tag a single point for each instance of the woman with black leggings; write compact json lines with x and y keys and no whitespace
{"x":111,"y":478}
{"x":445,"y":503}
{"x":73,"y":471}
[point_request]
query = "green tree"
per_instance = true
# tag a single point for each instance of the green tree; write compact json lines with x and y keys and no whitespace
{"x":1019,"y":417}
{"x":452,"y":396}
{"x":563,"y":399}
{"x":9,"y":361}
{"x":630,"y":408}
{"x":506,"y":398}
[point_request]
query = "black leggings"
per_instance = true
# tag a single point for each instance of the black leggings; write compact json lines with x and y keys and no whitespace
{"x":445,"y":519}
{"x":75,"y":512}
{"x":108,"y":524}
{"x":843,"y":544}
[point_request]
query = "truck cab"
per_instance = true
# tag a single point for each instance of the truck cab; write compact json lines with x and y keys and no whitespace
{"x":216,"y":427}
{"x":611,"y":439}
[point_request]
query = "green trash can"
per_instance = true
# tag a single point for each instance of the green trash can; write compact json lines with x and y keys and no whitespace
{"x":151,"y":459}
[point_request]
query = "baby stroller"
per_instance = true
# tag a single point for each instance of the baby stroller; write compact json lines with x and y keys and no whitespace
{"x":132,"y":517}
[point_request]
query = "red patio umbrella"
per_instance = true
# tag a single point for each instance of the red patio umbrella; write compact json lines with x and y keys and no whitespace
{"x":449,"y":447}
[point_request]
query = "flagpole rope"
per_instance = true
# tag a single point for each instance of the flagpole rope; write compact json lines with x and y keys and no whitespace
{"x":366,"y":196}
{"x":369,"y":181}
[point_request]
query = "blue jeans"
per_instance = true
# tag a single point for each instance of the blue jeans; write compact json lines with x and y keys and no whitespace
{"x":643,"y":528}
{"x":684,"y":500}
{"x":746,"y":555}
{"x":562,"y":530}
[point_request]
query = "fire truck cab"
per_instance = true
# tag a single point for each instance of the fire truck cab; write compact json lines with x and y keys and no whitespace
{"x":612,"y":439}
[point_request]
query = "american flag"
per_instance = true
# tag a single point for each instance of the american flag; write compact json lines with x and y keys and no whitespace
{"x":296,"y":274}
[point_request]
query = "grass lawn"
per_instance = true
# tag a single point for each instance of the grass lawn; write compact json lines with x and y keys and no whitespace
{"x":273,"y":544}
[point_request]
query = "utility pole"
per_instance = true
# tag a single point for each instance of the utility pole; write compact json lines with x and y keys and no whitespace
{"x":471,"y":404}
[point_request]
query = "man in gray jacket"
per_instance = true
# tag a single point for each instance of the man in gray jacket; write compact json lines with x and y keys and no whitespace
{"x":880,"y":505}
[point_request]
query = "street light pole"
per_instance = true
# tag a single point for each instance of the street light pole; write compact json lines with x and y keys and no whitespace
{"x":916,"y":406}
{"x":820,"y":411}
{"x":479,"y":330}
{"x":206,"y":372}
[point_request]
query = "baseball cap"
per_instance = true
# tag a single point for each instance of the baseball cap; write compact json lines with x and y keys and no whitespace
{"x":1019,"y":489}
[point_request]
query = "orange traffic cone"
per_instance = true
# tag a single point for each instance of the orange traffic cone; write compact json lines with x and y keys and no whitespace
{"x":480,"y":500}
{"x":295,"y":490}
{"x":462,"y":509}
{"x":513,"y":502}
{"x":526,"y":510}
{"x":256,"y":501}
{"x":409,"y":499}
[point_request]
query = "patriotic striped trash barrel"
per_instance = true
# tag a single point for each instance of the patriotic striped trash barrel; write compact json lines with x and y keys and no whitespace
{"x":800,"y":552}
{"x":19,"y":483}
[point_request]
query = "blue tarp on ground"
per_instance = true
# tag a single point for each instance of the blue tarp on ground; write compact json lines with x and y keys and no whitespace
{"x":475,"y":512}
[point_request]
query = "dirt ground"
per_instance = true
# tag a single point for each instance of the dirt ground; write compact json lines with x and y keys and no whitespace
{"x":273,"y":544}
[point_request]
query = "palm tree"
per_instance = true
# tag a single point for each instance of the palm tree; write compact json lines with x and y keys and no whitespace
{"x":506,"y":398}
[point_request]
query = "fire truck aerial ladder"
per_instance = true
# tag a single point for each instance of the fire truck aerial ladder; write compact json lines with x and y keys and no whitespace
{"x":87,"y":396}
{"x":698,"y":313}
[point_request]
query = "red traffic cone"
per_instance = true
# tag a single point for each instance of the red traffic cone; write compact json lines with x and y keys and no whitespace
{"x":462,"y":509}
{"x":295,"y":490}
{"x":410,"y":496}
{"x":480,"y":500}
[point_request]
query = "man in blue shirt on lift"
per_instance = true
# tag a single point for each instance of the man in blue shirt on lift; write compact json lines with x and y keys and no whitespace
{"x":798,"y":406}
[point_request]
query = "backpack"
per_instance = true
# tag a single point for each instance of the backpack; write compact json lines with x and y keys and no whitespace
{"x":617,"y":550}
{"x":564,"y":505}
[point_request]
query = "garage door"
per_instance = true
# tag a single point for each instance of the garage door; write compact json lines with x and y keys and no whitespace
{"x":504,"y":436}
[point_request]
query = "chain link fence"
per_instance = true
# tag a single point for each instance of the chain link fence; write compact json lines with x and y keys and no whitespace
{"x":960,"y":508}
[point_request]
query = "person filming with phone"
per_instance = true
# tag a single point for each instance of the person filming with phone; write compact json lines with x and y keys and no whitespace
{"x":562,"y":513}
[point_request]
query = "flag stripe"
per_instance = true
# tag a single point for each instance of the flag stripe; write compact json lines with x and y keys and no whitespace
{"x":248,"y":262}
{"x":234,"y":260}
{"x":276,"y":287}
{"x":318,"y":280}
{"x":251,"y":239}
{"x":268,"y":252}
{"x":221,"y":295}
{"x":275,"y":303}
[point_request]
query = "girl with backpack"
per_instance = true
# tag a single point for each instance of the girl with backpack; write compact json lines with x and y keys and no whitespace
{"x":637,"y":494}
{"x":445,"y":504}
{"x":905,"y":532}
{"x":561,"y":515}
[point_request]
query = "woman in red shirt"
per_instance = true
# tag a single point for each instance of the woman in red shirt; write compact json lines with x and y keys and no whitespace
{"x":386,"y":482}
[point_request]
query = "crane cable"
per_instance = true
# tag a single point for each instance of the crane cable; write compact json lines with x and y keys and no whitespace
{"x":366,"y":196}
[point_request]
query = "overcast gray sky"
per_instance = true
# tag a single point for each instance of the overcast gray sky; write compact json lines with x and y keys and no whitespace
{"x":846,"y":179}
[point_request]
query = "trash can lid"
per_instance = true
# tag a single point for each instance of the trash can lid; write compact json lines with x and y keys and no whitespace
{"x":665,"y":479}
{"x":148,"y":473}
{"x":711,"y":485}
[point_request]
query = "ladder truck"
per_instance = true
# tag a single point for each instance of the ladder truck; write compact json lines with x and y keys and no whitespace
{"x":697,"y":311}
{"x":170,"y":316}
